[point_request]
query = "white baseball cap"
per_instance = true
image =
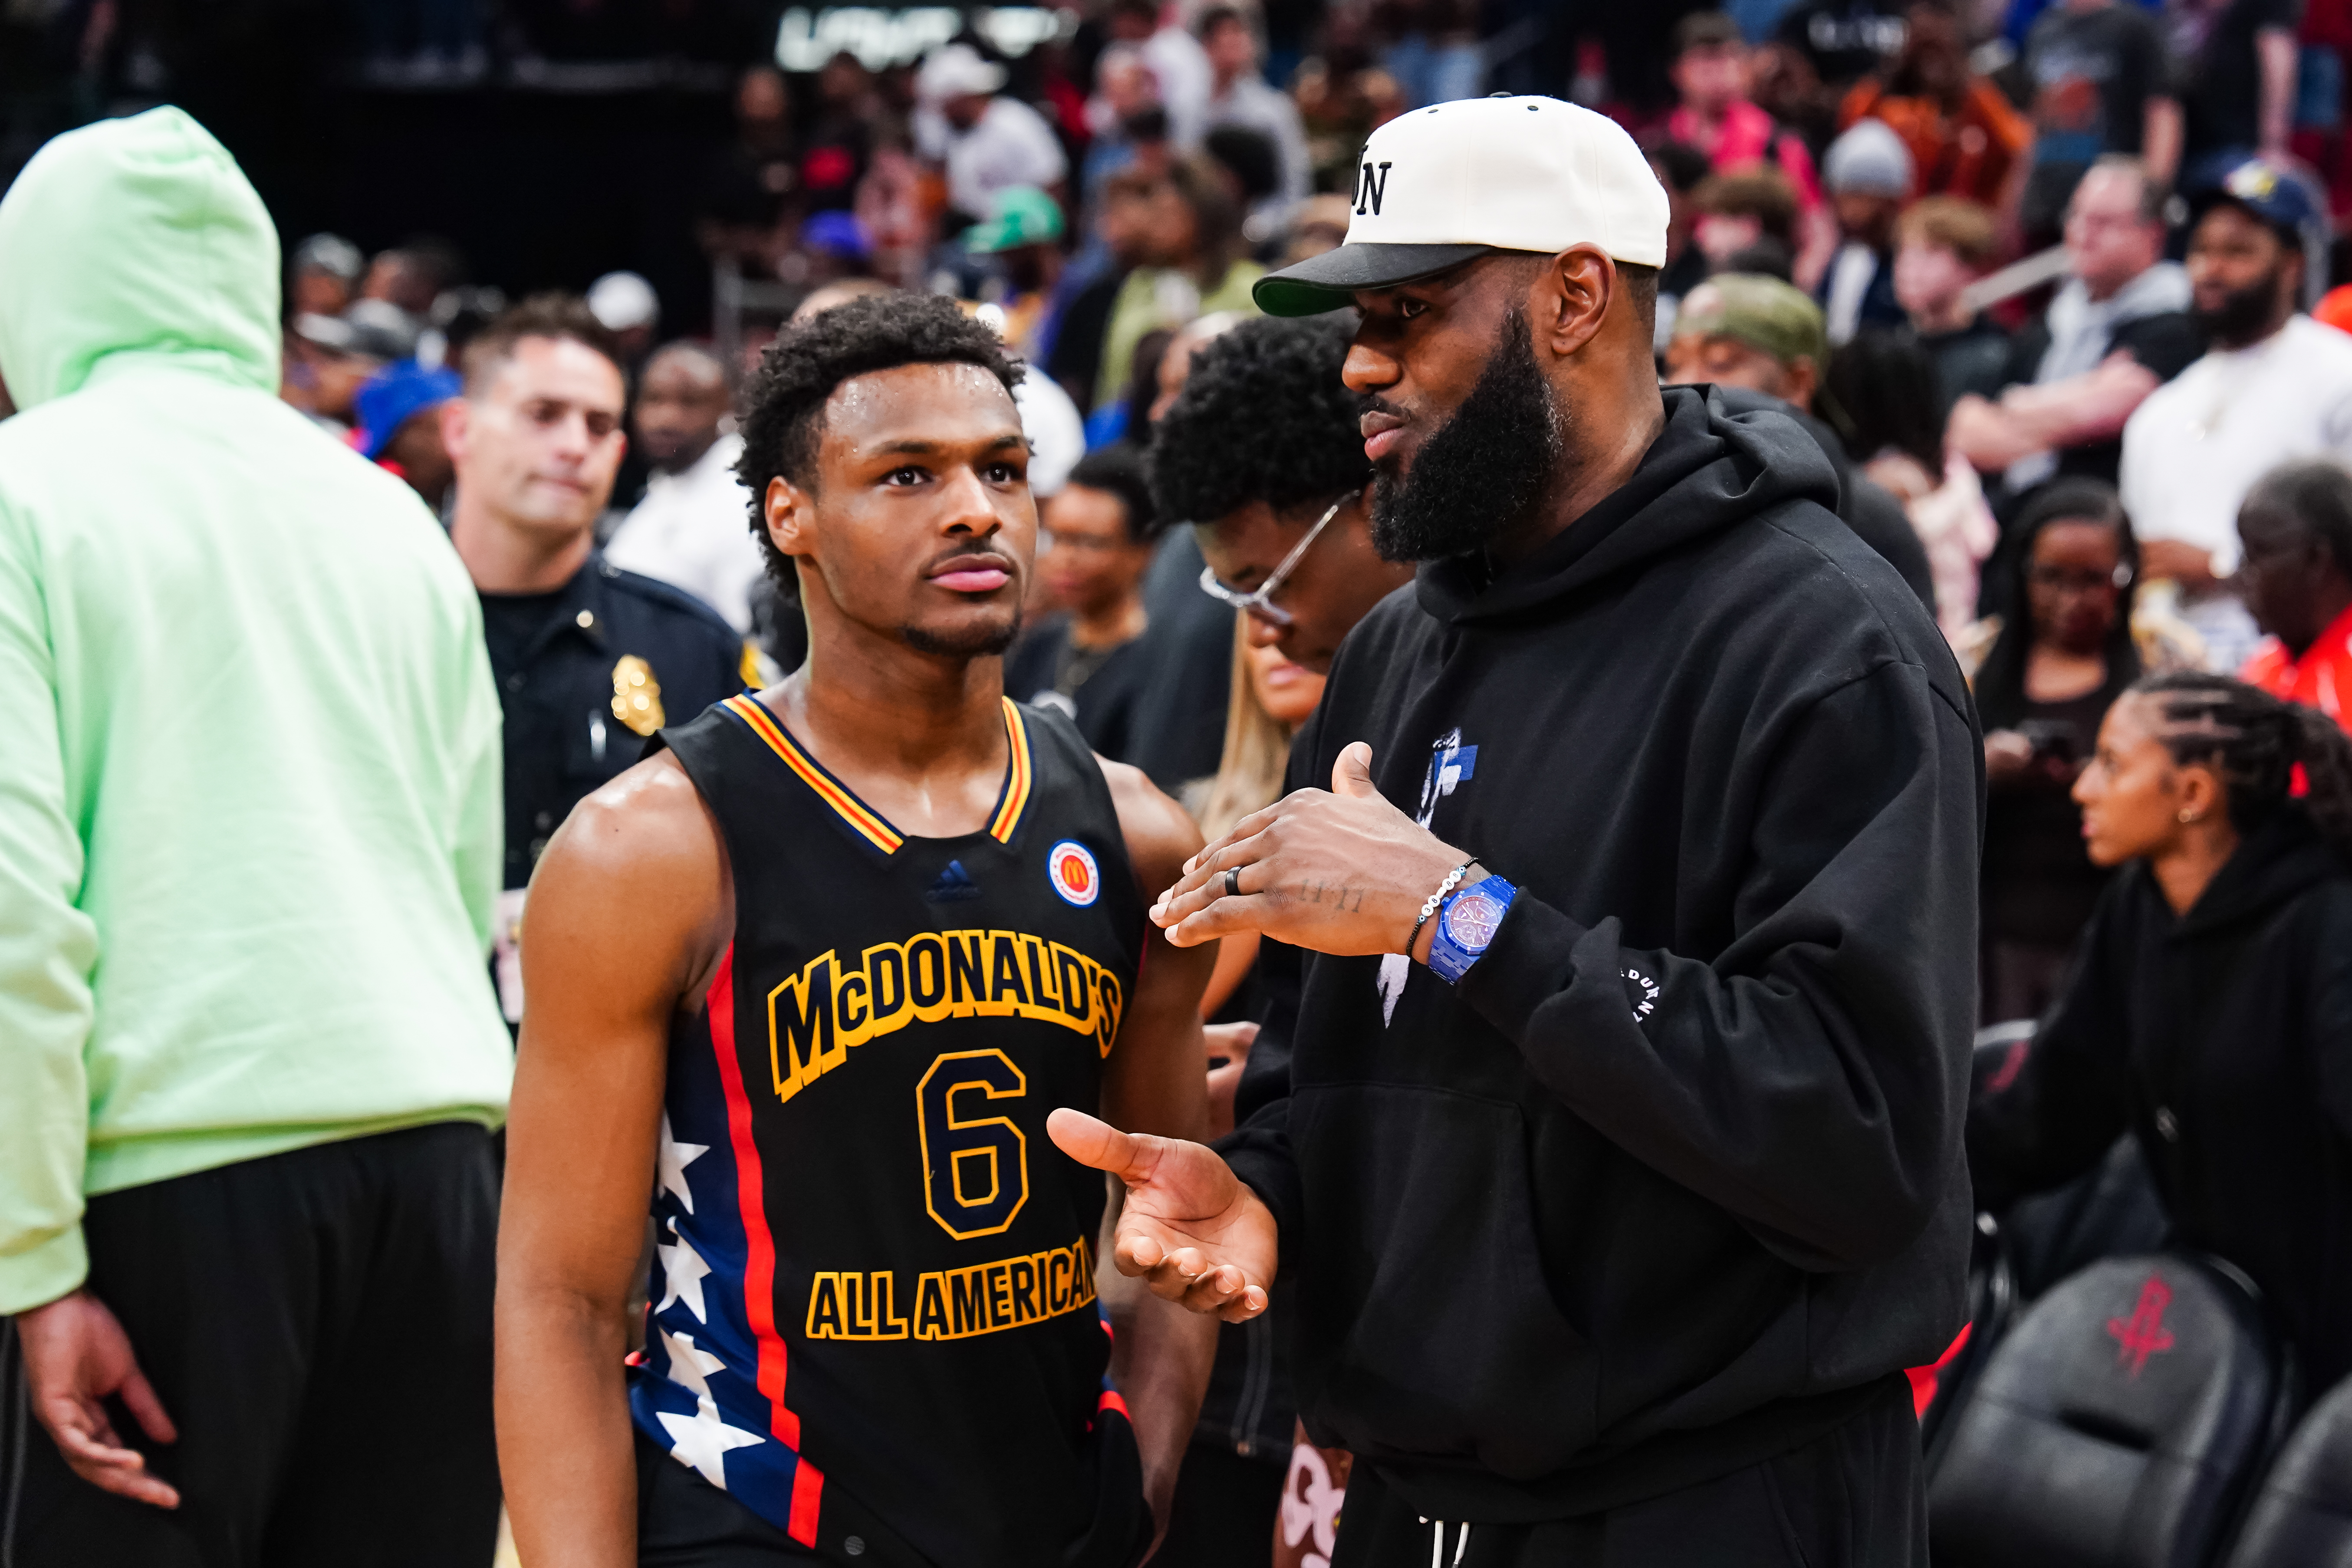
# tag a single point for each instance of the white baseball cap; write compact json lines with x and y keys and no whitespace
{"x":1444,"y":184}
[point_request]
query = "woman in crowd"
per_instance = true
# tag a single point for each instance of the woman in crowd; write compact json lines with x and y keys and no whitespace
{"x":2211,"y":1014}
{"x":1272,"y":698}
{"x":2058,"y":664}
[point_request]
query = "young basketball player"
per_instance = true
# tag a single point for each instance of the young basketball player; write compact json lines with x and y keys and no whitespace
{"x":813,"y":975}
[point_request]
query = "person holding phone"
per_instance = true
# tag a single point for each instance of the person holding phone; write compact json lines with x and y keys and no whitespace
{"x":2058,"y":664}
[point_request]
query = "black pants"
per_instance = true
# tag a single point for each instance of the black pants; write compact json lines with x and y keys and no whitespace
{"x":318,"y":1326}
{"x":1850,"y":1498}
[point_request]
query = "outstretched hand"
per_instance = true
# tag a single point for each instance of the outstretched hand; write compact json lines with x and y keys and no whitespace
{"x":1343,"y":872}
{"x":76,"y":1357}
{"x":1190,"y":1230}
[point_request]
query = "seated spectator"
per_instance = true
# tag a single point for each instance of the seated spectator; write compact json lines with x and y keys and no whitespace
{"x":748,"y":185}
{"x":2296,"y":568}
{"x":2236,"y":63}
{"x":1885,"y":386}
{"x":329,"y":358}
{"x":1190,"y":262}
{"x":1761,"y":335}
{"x":1716,"y":115}
{"x":412,"y":274}
{"x":400,"y":427}
{"x":1741,"y":220}
{"x":322,"y":276}
{"x":2101,"y":84}
{"x":1123,"y":116}
{"x":1097,"y":540}
{"x":2059,"y":662}
{"x":1023,"y":232}
{"x":1964,"y":139}
{"x":1179,"y":64}
{"x":630,"y":309}
{"x":2209,"y":1012}
{"x":1943,"y":245}
{"x":1318,"y":224}
{"x":2276,"y":385}
{"x":1239,"y":95}
{"x":2116,"y":330}
{"x":984,"y":141}
{"x":693,"y":529}
{"x":1869,"y":176}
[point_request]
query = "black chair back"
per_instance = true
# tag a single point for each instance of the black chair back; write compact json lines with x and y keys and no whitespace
{"x":2302,"y":1516}
{"x":2115,"y":1427}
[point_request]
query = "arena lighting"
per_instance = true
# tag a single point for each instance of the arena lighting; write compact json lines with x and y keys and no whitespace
{"x":881,"y":37}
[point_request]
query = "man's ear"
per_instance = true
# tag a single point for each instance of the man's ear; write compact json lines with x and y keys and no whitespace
{"x":457,"y":424}
{"x":790,"y":514}
{"x":1573,"y":296}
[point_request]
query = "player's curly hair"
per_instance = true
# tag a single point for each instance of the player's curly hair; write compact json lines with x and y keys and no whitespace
{"x":784,"y":407}
{"x":1263,"y":416}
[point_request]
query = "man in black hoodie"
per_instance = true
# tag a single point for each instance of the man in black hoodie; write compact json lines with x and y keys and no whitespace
{"x":1620,"y":1169}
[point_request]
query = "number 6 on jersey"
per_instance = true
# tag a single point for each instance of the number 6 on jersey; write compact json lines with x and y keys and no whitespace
{"x":975,"y":1168}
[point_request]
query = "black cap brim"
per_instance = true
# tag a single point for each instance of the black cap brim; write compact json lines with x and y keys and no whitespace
{"x":1324,"y":282}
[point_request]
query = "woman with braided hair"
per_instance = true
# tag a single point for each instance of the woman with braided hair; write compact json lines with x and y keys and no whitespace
{"x":2210,"y":1011}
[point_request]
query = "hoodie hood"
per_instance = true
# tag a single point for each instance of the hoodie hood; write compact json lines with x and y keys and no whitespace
{"x":135,"y":236}
{"x":1710,"y":469}
{"x":2274,"y":863}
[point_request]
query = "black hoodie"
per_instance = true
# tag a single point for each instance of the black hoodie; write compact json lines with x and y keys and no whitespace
{"x":1673,"y":1181}
{"x":2223,"y":1038}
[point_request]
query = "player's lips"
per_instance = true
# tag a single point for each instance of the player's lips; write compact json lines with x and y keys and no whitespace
{"x":972,"y":573}
{"x":1381,"y":432}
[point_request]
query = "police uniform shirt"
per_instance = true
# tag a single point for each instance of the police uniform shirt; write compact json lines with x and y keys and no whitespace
{"x":587,"y":672}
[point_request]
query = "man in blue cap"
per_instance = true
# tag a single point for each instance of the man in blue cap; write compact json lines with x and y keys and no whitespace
{"x":400,"y":425}
{"x":2275,"y":385}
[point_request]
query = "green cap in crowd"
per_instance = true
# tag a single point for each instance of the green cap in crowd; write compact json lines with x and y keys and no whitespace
{"x":1768,"y":315}
{"x":1020,"y":215}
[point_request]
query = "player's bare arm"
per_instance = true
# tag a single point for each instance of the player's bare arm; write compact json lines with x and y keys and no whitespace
{"x":1152,"y":1084}
{"x":630,"y":909}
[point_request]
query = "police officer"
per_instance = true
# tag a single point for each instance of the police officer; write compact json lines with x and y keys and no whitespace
{"x":589,"y":659}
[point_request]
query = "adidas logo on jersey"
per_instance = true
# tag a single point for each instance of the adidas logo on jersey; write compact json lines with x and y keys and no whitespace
{"x":954,"y":883}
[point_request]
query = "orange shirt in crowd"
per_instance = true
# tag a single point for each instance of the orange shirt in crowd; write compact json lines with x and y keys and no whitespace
{"x":1967,"y":154}
{"x":2321,"y":679}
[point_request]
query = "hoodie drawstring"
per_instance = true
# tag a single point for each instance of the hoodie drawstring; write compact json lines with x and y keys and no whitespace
{"x":1437,"y":1543}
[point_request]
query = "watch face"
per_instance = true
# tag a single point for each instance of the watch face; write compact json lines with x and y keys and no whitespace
{"x":1470,"y":923}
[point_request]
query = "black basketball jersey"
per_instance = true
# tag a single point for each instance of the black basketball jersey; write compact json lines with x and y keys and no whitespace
{"x":873,"y":1315}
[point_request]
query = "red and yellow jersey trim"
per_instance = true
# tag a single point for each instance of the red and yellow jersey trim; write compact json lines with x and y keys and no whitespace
{"x":1017,"y":777}
{"x":869,"y":823}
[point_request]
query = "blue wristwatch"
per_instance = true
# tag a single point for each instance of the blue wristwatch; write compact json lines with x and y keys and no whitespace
{"x":1465,"y":927}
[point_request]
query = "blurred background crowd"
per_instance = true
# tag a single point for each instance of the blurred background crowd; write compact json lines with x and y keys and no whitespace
{"x":2058,"y":286}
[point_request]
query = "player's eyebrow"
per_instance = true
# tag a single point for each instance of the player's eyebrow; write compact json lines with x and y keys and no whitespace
{"x":915,"y":447}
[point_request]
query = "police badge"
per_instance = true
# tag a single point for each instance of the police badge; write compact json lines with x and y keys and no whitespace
{"x":637,"y":695}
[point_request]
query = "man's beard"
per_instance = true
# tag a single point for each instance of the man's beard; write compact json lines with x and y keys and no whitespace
{"x":973,"y":642}
{"x":1481,"y":471}
{"x":2242,"y":314}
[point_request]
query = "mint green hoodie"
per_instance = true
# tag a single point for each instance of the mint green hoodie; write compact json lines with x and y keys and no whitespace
{"x":249,"y":818}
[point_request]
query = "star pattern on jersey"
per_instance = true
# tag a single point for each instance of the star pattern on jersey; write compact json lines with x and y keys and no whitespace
{"x":684,"y":1269}
{"x":674,"y":1158}
{"x":701,"y":1440}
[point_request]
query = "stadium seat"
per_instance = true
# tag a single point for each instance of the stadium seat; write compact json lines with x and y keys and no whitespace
{"x":2302,"y":1516}
{"x":2109,"y":1211}
{"x":2115,"y":1427}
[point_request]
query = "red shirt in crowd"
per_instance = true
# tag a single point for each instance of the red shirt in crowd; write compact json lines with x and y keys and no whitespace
{"x":2321,"y":679}
{"x":1748,"y":138}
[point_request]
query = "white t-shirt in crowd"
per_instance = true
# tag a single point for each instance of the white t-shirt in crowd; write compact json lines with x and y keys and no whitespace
{"x":2196,"y":445}
{"x":1057,"y":436}
{"x":693,"y":531}
{"x":1010,"y":144}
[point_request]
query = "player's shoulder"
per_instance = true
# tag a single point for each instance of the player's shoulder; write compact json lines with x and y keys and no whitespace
{"x":1160,"y":834}
{"x":648,"y":822}
{"x":677,"y":609}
